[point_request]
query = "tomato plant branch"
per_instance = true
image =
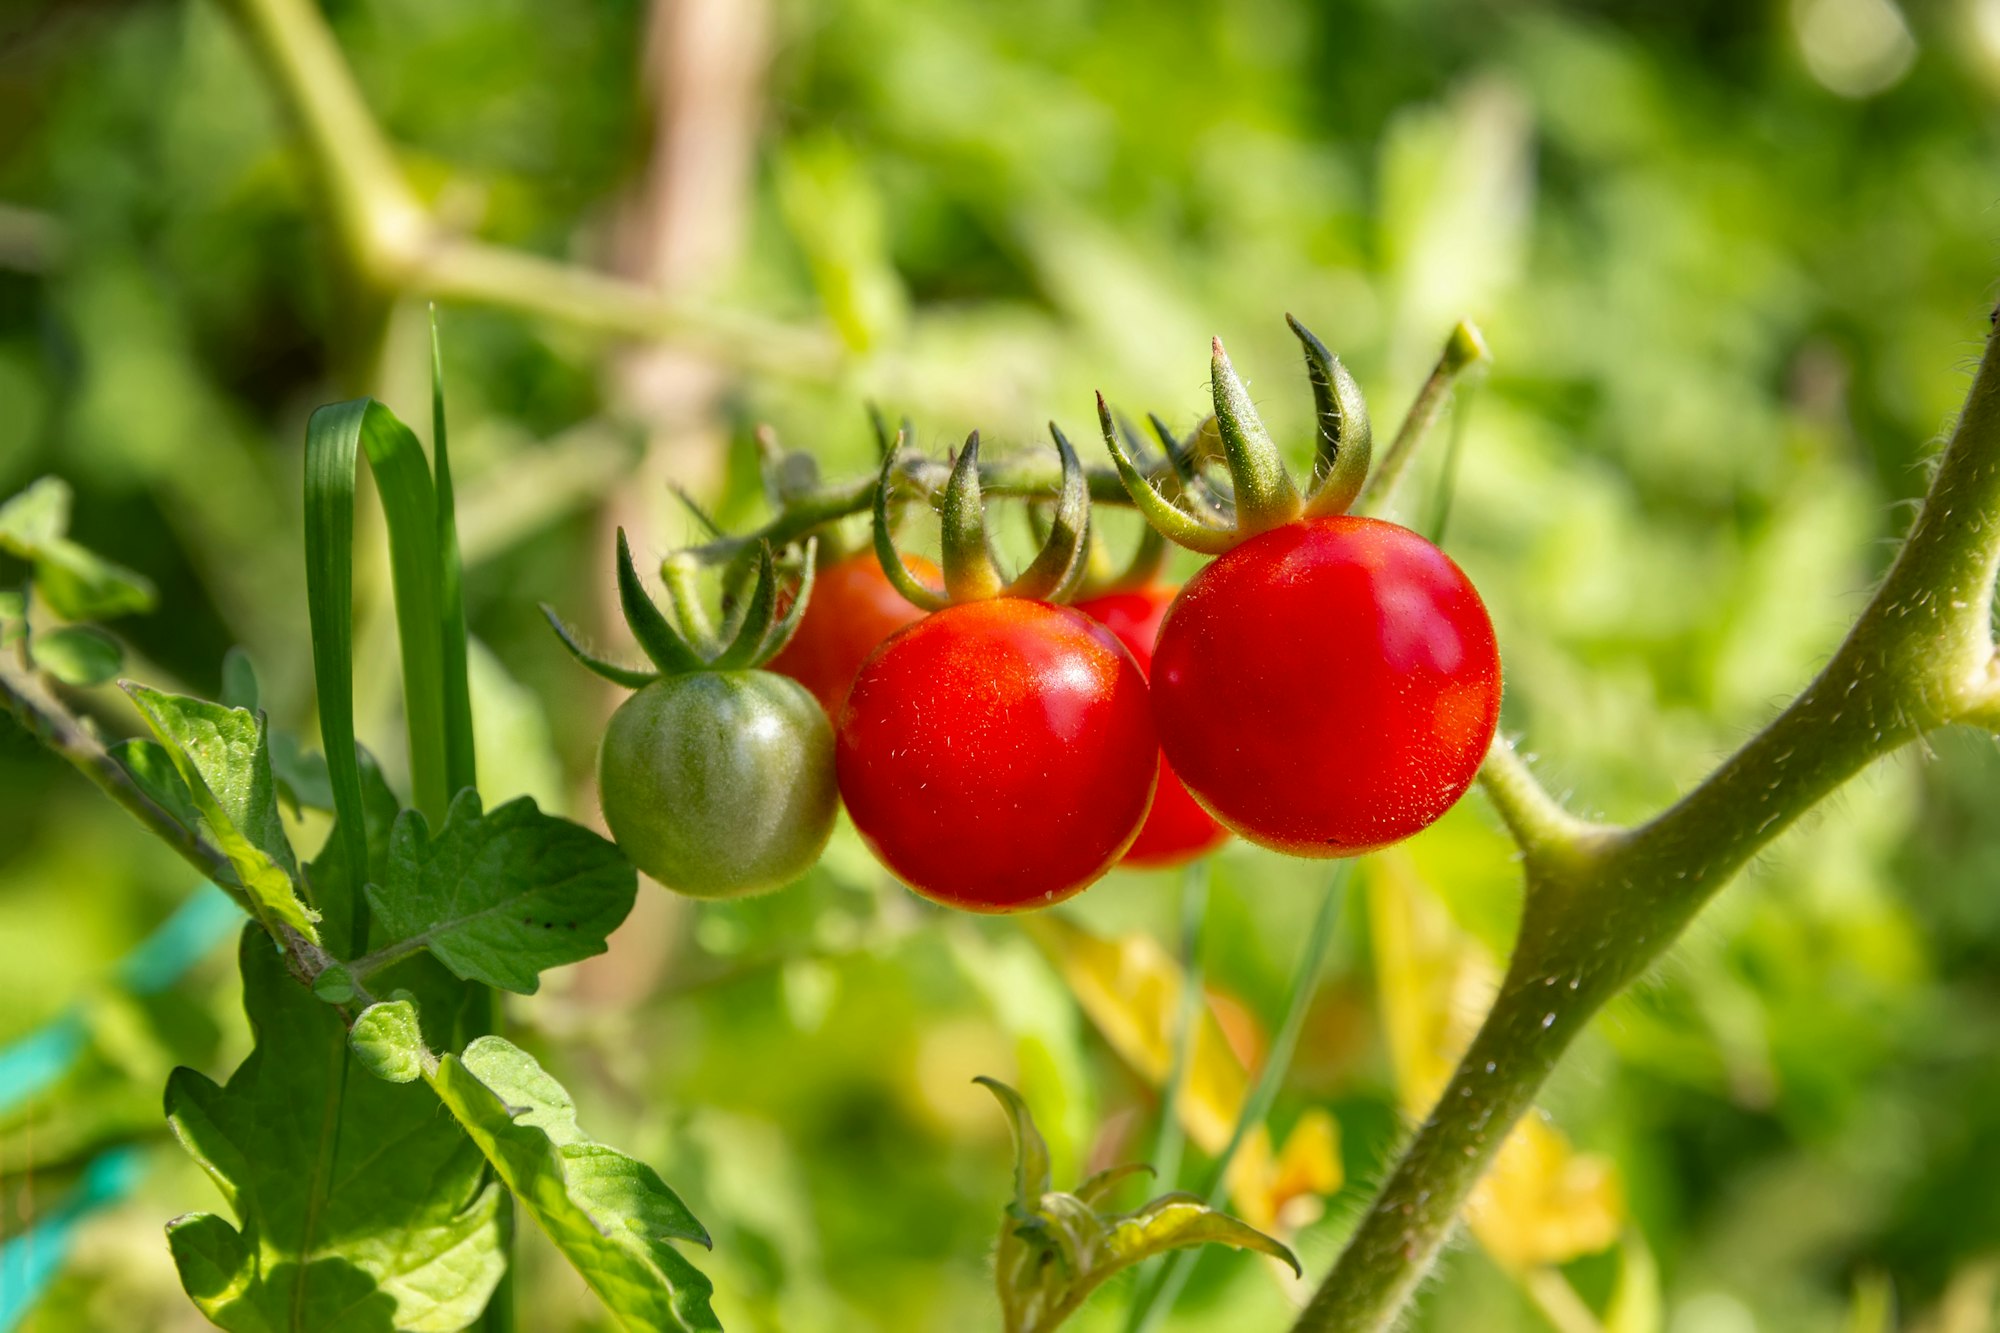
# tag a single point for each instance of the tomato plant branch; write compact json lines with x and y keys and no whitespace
{"x":50,"y":721}
{"x":1602,"y":903}
{"x":1036,"y":474}
{"x":395,"y":244}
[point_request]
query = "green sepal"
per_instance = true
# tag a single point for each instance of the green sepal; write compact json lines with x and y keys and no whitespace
{"x":969,"y":572}
{"x":1059,"y":567}
{"x":1264,"y":494}
{"x":763,"y":631}
{"x":630,"y":677}
{"x":760,"y":613}
{"x":913,"y":589}
{"x":1344,"y":437}
{"x":1175,"y":524}
{"x":660,"y":640}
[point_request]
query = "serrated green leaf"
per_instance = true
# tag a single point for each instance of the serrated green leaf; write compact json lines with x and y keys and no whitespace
{"x":388,"y":1042}
{"x":359,"y":1208}
{"x":499,"y":897}
{"x":610,"y":1215}
{"x":77,"y":654}
{"x":77,"y":583}
{"x":224,"y":760}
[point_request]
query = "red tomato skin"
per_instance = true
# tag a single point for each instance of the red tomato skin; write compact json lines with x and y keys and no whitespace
{"x":854,"y":607}
{"x":1329,"y":687}
{"x":998,"y":755}
{"x":1178,"y":829}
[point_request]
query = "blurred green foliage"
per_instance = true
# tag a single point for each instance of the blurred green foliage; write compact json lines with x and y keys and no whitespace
{"x":1731,"y":263}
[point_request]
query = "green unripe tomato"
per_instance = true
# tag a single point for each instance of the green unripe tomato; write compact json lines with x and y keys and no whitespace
{"x":719,"y":783}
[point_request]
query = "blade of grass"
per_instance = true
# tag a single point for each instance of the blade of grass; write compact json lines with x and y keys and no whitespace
{"x":1158,"y":1299}
{"x":337,"y":437}
{"x":460,"y":759}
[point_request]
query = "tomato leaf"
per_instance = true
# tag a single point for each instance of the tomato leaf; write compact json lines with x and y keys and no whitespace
{"x":1056,"y":1248}
{"x":610,"y":1215}
{"x":223,"y":758}
{"x":77,"y":584}
{"x":358,"y":1207}
{"x":500,"y":896}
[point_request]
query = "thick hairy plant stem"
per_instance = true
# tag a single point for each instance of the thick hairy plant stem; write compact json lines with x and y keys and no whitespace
{"x":1603,"y":903}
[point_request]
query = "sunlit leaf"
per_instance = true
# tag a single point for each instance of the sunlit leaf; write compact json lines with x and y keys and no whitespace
{"x":222,"y":757}
{"x":499,"y":897}
{"x":610,"y":1215}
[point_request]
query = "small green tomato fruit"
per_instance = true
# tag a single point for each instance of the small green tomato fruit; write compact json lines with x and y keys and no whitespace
{"x":719,"y":783}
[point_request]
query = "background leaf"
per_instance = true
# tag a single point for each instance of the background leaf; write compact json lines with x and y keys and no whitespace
{"x":500,"y":897}
{"x":78,"y":584}
{"x":77,"y":654}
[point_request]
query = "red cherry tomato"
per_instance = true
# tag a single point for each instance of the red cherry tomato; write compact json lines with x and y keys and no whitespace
{"x":854,"y":607}
{"x":999,"y":754}
{"x":1178,"y":829}
{"x":1328,"y":687}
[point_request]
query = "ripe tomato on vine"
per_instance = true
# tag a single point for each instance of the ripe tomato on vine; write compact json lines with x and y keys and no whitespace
{"x":1328,"y":687}
{"x":999,"y":754}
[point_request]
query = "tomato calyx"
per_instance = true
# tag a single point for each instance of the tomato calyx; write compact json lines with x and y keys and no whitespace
{"x":754,"y":630}
{"x":970,"y":572}
{"x":1261,"y":494}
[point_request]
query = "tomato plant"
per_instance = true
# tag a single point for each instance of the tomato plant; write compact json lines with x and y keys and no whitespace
{"x":1328,"y":687}
{"x":1177,"y":829}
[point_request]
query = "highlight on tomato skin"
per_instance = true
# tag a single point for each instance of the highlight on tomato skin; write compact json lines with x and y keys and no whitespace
{"x":854,"y":607}
{"x":999,"y":755}
{"x":1328,"y":687}
{"x":1177,"y":830}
